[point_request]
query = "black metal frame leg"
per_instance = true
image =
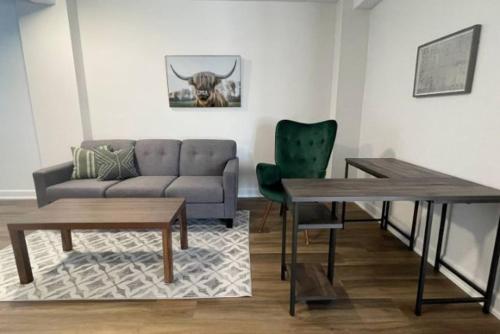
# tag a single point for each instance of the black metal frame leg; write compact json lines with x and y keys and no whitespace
{"x":387,"y":212}
{"x":331,"y":255}
{"x":442,"y":223}
{"x":343,"y":214}
{"x":493,"y":272}
{"x":282,"y":209}
{"x":423,"y":261}
{"x":283,"y":244}
{"x":413,"y":226}
{"x":346,"y":175}
{"x":294,"y":259}
{"x":382,"y":217}
{"x":385,"y":215}
{"x":334,"y":210}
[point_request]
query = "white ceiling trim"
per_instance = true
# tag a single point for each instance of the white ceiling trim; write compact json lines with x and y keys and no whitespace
{"x":365,"y":4}
{"x":326,"y":1}
{"x":44,"y":2}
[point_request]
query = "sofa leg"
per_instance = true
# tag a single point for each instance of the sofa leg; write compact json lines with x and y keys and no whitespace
{"x":229,"y":222}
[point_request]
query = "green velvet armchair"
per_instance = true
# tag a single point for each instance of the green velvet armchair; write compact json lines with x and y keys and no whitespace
{"x":301,"y":151}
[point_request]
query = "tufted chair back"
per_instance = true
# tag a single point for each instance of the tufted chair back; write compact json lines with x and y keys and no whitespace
{"x":303,"y":150}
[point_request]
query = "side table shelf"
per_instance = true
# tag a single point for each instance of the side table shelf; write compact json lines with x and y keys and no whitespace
{"x":316,"y":216}
{"x":308,"y":281}
{"x":312,"y":283}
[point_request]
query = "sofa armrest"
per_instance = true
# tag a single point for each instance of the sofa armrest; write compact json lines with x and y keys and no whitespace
{"x":230,"y":185}
{"x":49,"y":176}
{"x":268,"y":174}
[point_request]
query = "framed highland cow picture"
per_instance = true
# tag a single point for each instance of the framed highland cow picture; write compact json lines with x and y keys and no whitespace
{"x":204,"y":81}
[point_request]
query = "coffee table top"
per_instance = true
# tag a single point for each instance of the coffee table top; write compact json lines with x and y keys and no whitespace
{"x":98,"y":213}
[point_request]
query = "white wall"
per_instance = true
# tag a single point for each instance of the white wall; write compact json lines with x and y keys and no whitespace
{"x":351,"y":40}
{"x":48,"y":56}
{"x":459,"y":135}
{"x":18,"y":149}
{"x":287,"y":56}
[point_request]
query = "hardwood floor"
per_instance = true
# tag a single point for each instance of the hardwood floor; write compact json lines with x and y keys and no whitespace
{"x":376,"y":280}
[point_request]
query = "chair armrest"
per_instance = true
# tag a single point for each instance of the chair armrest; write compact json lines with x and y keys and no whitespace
{"x":268,"y":174}
{"x":49,"y":176}
{"x":230,"y":185}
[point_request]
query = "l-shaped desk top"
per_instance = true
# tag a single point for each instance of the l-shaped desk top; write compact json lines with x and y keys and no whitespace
{"x":398,"y":181}
{"x":392,"y":168}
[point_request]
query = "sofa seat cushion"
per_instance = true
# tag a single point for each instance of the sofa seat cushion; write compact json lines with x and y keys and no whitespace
{"x":141,"y":186}
{"x":197,"y":189}
{"x":79,"y":189}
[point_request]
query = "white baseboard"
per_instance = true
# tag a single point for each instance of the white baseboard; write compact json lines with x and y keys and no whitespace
{"x":248,"y":192}
{"x":377,"y":212}
{"x":17,"y":194}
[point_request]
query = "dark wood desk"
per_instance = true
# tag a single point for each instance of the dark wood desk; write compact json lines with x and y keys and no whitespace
{"x":392,"y":168}
{"x":431,"y":189}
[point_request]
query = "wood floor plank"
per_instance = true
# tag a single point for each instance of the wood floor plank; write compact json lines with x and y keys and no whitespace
{"x":374,"y":269}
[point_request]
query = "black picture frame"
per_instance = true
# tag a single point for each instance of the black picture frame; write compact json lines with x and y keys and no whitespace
{"x":190,"y":105}
{"x":471,"y":55}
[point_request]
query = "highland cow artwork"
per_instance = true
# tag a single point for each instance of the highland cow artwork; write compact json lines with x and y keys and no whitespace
{"x":204,"y":81}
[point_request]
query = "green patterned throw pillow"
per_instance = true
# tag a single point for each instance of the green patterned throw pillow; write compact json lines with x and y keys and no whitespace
{"x":84,"y":164}
{"x":117,"y":165}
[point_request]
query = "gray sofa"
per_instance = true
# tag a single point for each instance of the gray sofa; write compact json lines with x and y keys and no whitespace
{"x":204,"y":172}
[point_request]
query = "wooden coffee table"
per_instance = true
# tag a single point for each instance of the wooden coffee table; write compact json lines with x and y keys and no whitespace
{"x":100,"y":214}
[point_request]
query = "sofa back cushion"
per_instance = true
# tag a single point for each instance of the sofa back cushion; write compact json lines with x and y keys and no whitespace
{"x":116,"y":144}
{"x":205,"y":157}
{"x":158,"y":157}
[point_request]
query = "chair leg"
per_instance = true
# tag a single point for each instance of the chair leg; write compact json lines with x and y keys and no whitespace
{"x":282,"y":210}
{"x":264,"y":219}
{"x":306,"y":235}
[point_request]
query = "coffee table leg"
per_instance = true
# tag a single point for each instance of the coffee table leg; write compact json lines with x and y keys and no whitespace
{"x":167,"y":254}
{"x":67,"y":244}
{"x":184,"y":228}
{"x":21,"y":255}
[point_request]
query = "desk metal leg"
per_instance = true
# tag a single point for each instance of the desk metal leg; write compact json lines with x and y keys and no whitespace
{"x":413,"y":225}
{"x":442,"y":224}
{"x":283,"y":244}
{"x":423,"y":261}
{"x":294,"y":259}
{"x":334,"y":210}
{"x":331,"y":255}
{"x":385,"y":215}
{"x":493,"y":272}
{"x":346,"y":175}
{"x":387,"y":212}
{"x":382,"y":218}
{"x":343,"y":214}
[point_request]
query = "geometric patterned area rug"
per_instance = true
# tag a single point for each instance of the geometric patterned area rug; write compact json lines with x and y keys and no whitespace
{"x":112,"y":265}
